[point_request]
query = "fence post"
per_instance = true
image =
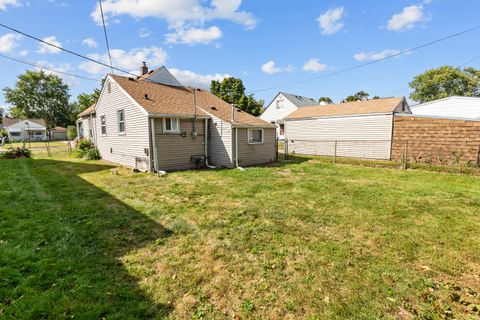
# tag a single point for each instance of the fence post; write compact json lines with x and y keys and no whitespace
{"x":335,"y":153}
{"x":405,"y":156}
{"x":285,"y":145}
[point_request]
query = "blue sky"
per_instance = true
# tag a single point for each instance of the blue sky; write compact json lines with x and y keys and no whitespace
{"x":265,"y":43}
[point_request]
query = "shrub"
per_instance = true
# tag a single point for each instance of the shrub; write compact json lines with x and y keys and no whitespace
{"x":92,"y":154}
{"x":87,"y":150}
{"x":15,"y":153}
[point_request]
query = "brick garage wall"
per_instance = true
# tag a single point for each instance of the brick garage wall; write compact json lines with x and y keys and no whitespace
{"x":436,"y":141}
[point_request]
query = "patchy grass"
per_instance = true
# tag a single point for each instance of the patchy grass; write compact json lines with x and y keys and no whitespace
{"x":304,"y":239}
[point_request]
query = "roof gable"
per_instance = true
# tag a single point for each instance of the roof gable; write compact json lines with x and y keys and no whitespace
{"x":163,"y":76}
{"x":385,"y":105}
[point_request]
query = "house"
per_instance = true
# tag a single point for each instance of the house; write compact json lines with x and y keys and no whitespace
{"x":153,"y":123}
{"x":451,"y":107}
{"x":25,"y":130}
{"x":85,"y":124}
{"x":281,"y":106}
{"x":58,"y":134}
{"x":361,"y":129}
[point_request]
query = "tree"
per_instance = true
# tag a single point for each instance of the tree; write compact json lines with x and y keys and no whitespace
{"x":444,"y":82}
{"x":359,"y":96}
{"x":40,"y":95}
{"x":232,"y":90}
{"x":85,"y":100}
{"x":1,"y":115}
{"x":71,"y":132}
{"x":327,"y":100}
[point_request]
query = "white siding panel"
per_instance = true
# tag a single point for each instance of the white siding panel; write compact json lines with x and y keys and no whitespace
{"x":367,"y":136}
{"x":273,"y":114}
{"x":115,"y":147}
{"x":453,"y":107}
{"x":220,"y":143}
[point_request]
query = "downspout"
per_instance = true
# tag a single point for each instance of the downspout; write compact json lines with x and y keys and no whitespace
{"x":154,"y":145}
{"x":206,"y":145}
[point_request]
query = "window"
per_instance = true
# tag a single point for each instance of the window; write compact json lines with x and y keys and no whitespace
{"x":121,"y":121}
{"x":279,"y":104}
{"x":15,"y":134}
{"x":103,"y":125}
{"x":109,"y":87}
{"x":171,"y":125}
{"x":255,"y":136}
{"x":282,"y":129}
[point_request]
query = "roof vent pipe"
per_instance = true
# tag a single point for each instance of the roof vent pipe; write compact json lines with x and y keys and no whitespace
{"x":144,"y":69}
{"x":233,"y":114}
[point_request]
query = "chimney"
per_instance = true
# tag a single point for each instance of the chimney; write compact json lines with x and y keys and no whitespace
{"x":144,"y":69}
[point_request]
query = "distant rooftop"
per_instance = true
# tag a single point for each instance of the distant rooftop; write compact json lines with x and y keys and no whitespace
{"x":300,"y":101}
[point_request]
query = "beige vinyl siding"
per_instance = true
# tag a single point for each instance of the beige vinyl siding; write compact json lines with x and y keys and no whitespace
{"x":121,"y":148}
{"x":174,"y":151}
{"x":253,"y":154}
{"x":363,"y":136}
{"x":220,"y":143}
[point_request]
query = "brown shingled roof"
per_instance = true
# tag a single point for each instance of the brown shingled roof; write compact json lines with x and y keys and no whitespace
{"x":223,"y":110}
{"x":162,"y":99}
{"x":349,"y":108}
{"x":88,"y":111}
{"x":173,"y":100}
{"x":7,"y":122}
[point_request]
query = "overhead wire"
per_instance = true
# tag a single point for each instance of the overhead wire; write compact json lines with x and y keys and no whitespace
{"x":106,"y":35}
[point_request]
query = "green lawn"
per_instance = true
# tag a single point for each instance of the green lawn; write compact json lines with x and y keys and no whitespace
{"x":305,"y":239}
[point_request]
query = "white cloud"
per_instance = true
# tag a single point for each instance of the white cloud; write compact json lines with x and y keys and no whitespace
{"x":372,"y":55}
{"x":5,"y":3}
{"x":193,"y":79}
{"x":62,"y":67}
{"x":127,"y":61}
{"x":8,"y":42}
{"x":331,"y":21}
{"x":178,"y":12}
{"x":270,"y":68}
{"x":45,"y":48}
{"x":314,"y":65}
{"x":406,"y":19}
{"x":90,"y":42}
{"x":24,"y":53}
{"x":143,"y":33}
{"x":195,"y":35}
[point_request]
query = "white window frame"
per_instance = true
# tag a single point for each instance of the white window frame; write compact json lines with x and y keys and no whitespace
{"x":249,"y":136}
{"x":279,"y":104}
{"x":119,"y":122}
{"x":102,"y":125}
{"x":177,"y":130}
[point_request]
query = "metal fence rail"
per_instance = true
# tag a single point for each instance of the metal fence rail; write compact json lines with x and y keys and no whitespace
{"x":445,"y":152}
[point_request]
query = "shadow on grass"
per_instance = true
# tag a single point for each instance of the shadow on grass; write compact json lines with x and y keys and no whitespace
{"x":61,"y":244}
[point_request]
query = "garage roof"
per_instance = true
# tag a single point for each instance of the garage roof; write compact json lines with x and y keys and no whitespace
{"x":384,"y":105}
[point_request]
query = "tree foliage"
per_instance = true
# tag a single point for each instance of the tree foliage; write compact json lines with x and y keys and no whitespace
{"x":40,"y":95}
{"x":232,"y":91}
{"x":327,"y":100}
{"x":71,"y":132}
{"x":1,"y":115}
{"x":444,"y":82}
{"x":359,"y":96}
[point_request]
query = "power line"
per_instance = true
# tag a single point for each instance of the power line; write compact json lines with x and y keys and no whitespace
{"x":371,"y":62}
{"x":470,"y":61}
{"x":65,"y":50}
{"x":48,"y":69}
{"x":105,"y":33}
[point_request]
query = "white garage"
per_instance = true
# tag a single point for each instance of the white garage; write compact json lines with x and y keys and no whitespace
{"x":361,"y":129}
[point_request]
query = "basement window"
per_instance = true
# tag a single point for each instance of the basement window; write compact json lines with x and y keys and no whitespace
{"x":171,"y":125}
{"x":255,"y":136}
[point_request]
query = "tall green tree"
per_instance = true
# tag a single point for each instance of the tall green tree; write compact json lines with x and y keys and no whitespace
{"x":444,"y":82}
{"x":327,"y":100}
{"x":85,"y":100}
{"x":359,"y":96}
{"x":40,"y":95}
{"x":1,"y":115}
{"x":232,"y":90}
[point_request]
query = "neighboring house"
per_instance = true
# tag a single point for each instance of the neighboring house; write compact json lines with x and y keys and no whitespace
{"x":154,"y":123}
{"x":281,"y":106}
{"x":85,"y":124}
{"x":451,"y":107}
{"x":58,"y":133}
{"x":25,"y":130}
{"x":360,"y":129}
